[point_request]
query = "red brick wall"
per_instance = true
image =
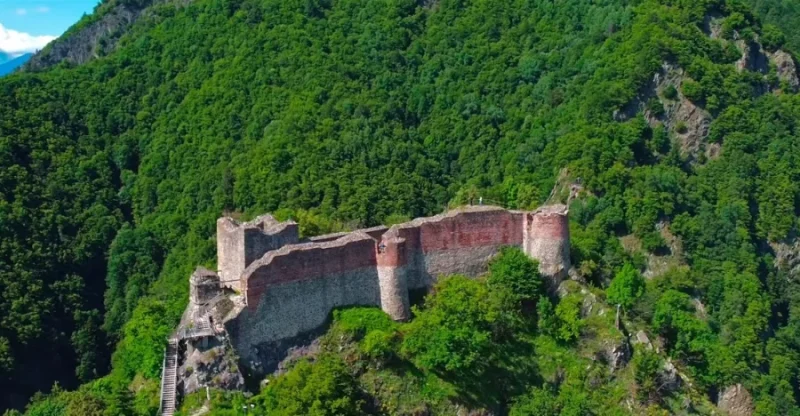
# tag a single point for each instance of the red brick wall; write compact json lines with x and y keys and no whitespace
{"x":471,"y":229}
{"x":548,"y":226}
{"x":463,"y":230}
{"x":392,"y":252}
{"x":307,"y":262}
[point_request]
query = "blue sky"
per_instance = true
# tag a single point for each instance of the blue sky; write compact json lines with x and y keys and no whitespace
{"x":29,"y":24}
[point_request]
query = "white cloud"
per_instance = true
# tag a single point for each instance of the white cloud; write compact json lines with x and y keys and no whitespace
{"x":43,"y":9}
{"x":17,"y":43}
{"x":22,"y":12}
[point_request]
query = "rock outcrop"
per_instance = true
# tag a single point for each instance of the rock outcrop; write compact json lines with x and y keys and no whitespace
{"x":786,"y":68}
{"x":787,"y":257}
{"x":736,"y":401}
{"x":94,"y":36}
{"x":210,"y":363}
{"x":617,"y":354}
{"x":685,"y":119}
{"x":753,"y":57}
{"x":669,"y":377}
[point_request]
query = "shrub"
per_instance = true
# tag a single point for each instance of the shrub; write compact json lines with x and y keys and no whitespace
{"x":359,"y":322}
{"x":670,"y":92}
{"x":515,"y":272}
{"x":646,"y":367}
{"x":324,"y":388}
{"x":627,"y":286}
{"x":655,"y":107}
{"x":692,"y":90}
{"x":772,"y":38}
{"x":454,"y":334}
{"x":568,"y":313}
{"x":379,"y":345}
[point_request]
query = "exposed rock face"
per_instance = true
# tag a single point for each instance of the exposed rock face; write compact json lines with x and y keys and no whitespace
{"x":753,"y":57}
{"x":712,"y":25}
{"x":689,"y":122}
{"x":736,"y":401}
{"x":787,"y":257}
{"x":464,"y":411}
{"x":642,"y":338}
{"x":786,"y":68}
{"x":210,"y":365}
{"x":618,"y":354}
{"x":669,"y":377}
{"x":94,"y":39}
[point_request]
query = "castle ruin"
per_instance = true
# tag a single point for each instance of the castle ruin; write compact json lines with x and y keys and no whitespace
{"x":272,"y":289}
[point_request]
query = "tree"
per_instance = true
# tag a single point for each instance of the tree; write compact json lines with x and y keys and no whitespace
{"x":646,"y":369}
{"x":453,"y":334}
{"x":322,"y":389}
{"x":628,"y":286}
{"x":538,"y":402}
{"x":568,"y":313}
{"x":513,"y":271}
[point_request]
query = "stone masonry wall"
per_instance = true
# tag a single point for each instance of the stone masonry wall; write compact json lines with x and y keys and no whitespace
{"x":546,"y":239}
{"x":239,"y":244}
{"x":460,"y":241}
{"x":291,"y":289}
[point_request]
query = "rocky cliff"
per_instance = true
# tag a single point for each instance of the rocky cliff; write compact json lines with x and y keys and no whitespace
{"x":93,"y":36}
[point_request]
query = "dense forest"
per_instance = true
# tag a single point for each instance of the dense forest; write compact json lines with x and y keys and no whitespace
{"x":342,"y":113}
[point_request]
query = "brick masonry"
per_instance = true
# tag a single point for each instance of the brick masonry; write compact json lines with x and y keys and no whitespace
{"x":290,"y":287}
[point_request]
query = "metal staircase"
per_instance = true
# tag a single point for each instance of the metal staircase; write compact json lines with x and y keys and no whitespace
{"x":169,"y":379}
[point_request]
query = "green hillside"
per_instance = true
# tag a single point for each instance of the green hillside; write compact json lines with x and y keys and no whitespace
{"x":342,"y":113}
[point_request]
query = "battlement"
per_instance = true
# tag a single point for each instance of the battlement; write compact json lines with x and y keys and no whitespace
{"x":290,"y":286}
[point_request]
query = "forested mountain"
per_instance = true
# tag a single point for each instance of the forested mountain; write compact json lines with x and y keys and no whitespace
{"x":676,"y":119}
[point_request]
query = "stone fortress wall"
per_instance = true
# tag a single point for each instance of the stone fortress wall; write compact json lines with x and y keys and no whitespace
{"x":288,"y":287}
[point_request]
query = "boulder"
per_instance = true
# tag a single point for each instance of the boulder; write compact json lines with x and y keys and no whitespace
{"x":642,"y":338}
{"x":618,"y":355}
{"x":736,"y":401}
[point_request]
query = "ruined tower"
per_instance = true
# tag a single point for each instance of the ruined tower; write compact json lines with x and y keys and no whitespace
{"x":203,"y":286}
{"x":392,"y":277}
{"x":546,"y":239}
{"x":239,"y":244}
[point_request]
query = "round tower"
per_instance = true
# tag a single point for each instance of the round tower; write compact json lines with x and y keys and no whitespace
{"x":392,"y":269}
{"x":546,"y":239}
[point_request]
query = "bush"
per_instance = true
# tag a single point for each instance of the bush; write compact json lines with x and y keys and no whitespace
{"x":539,"y":402}
{"x":734,"y":22}
{"x":646,"y":368}
{"x":692,"y":90}
{"x":627,"y":286}
{"x":655,"y":107}
{"x":454,"y":333}
{"x":322,"y":389}
{"x":772,"y":38}
{"x":379,"y":345}
{"x":670,"y":92}
{"x":359,"y":322}
{"x":568,"y":313}
{"x":513,"y":271}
